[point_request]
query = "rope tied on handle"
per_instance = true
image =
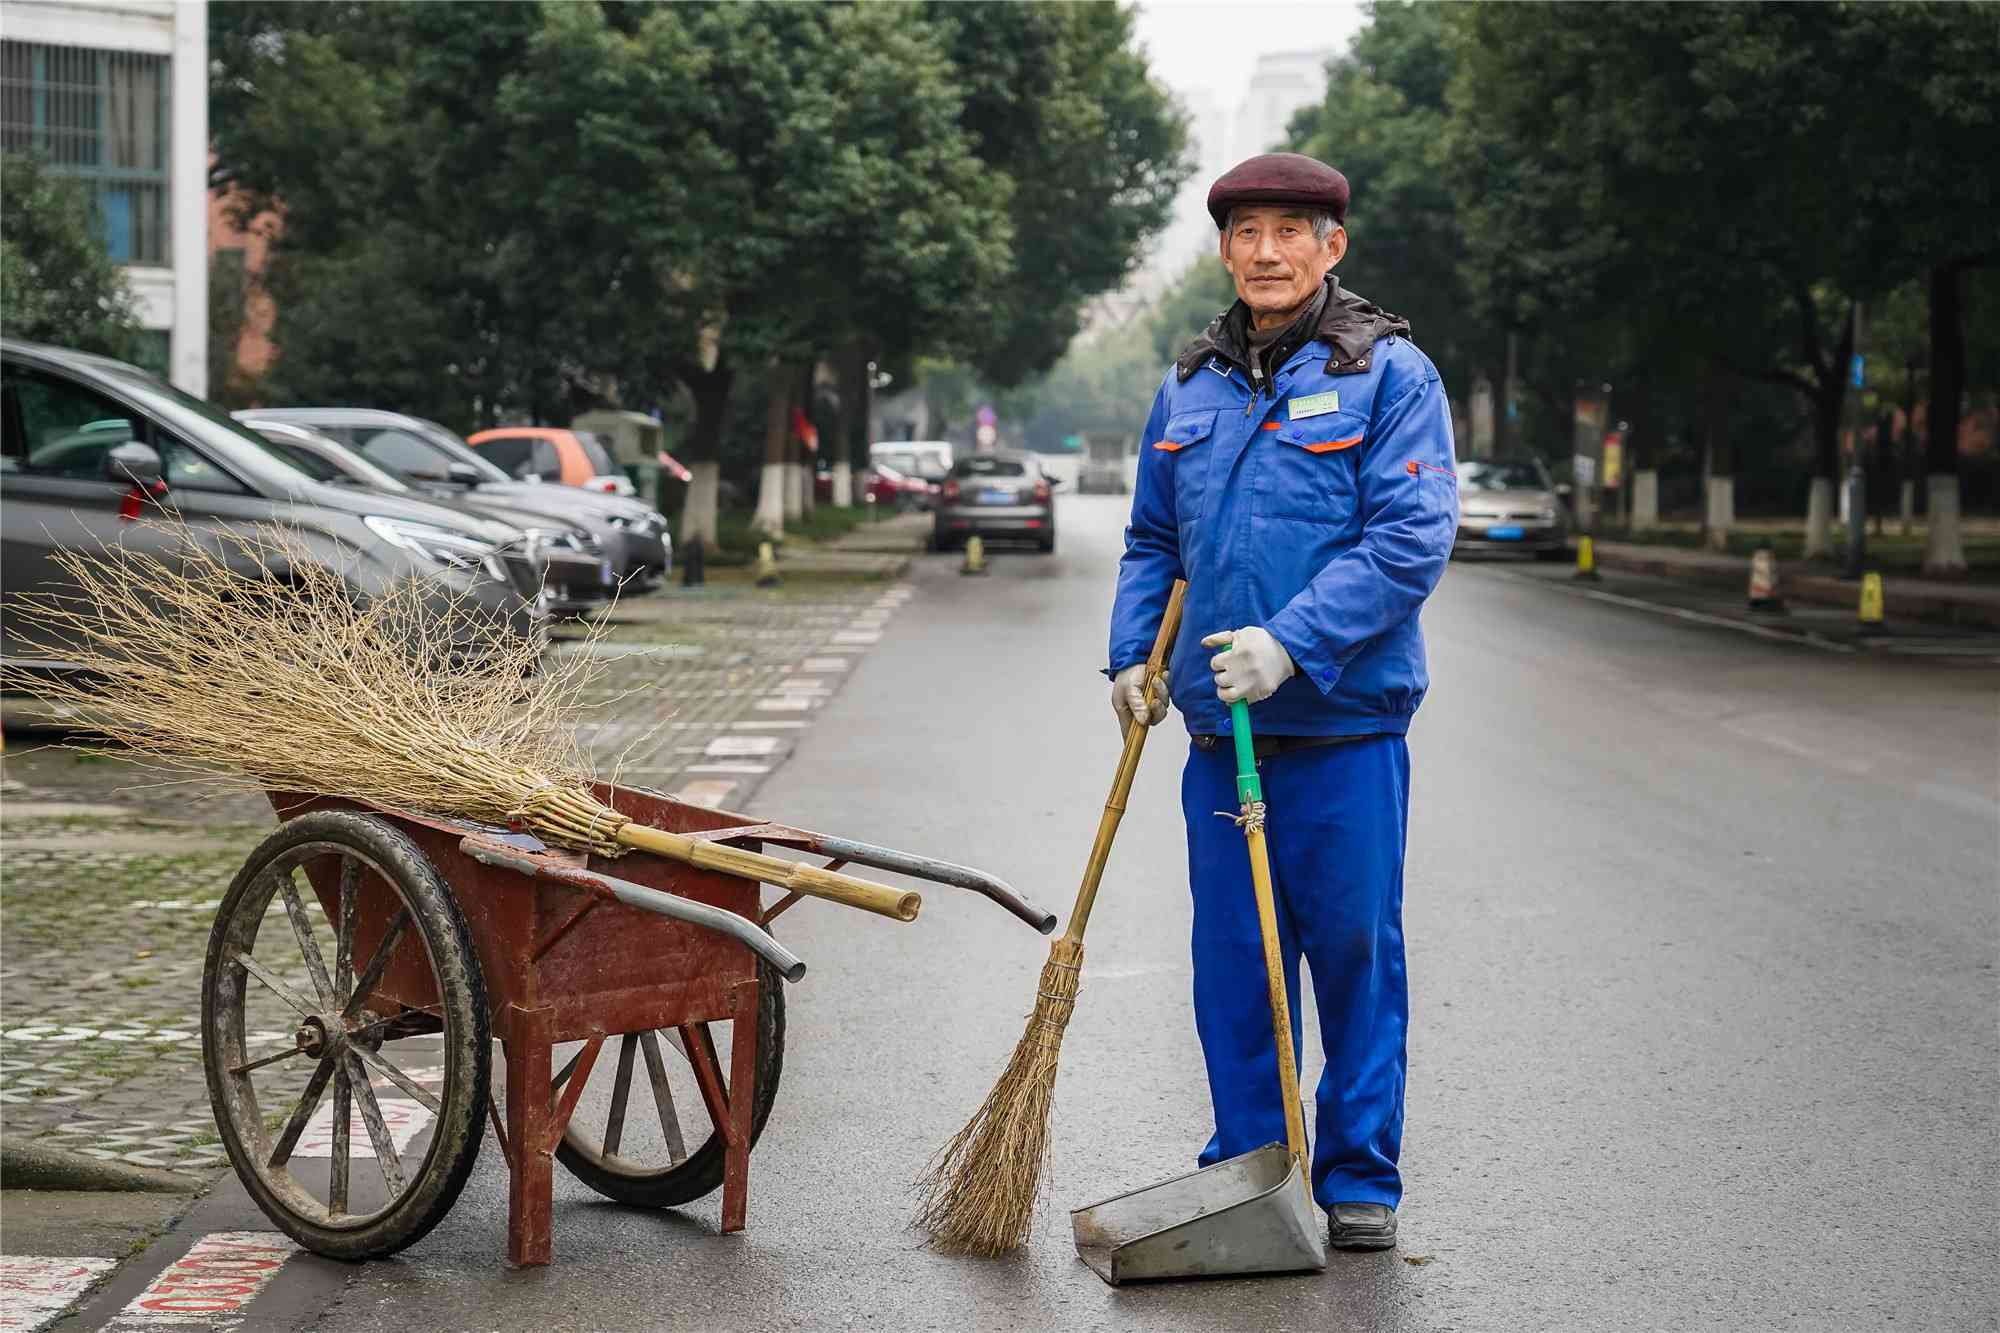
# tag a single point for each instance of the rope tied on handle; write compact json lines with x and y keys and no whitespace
{"x":1251,"y":820}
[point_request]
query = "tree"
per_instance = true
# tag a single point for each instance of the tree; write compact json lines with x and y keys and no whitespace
{"x":1382,"y":123}
{"x":1059,"y":103}
{"x":58,"y":282}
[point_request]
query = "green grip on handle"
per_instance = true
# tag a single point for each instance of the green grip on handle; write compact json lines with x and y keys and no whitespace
{"x":1249,"y":790}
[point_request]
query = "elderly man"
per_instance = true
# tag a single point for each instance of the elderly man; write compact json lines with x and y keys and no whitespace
{"x":1297,"y":471}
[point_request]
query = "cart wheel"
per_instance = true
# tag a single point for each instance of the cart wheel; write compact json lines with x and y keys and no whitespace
{"x":279,"y":1026}
{"x":644,"y":1160}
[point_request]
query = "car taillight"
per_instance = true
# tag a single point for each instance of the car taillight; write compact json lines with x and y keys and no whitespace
{"x":951,"y":491}
{"x":1042,"y":491}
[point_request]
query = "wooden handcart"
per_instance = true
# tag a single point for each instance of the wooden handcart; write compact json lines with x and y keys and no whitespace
{"x":364,"y":960}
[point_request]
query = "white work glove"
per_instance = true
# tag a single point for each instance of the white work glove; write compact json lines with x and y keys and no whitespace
{"x":1251,"y":666}
{"x":1128,"y":696}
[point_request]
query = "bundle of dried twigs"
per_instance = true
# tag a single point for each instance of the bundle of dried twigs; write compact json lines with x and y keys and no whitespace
{"x":252,"y":658}
{"x":247,"y":655}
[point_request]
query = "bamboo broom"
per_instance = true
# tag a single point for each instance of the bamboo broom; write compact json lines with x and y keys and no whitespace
{"x":979,"y":1194}
{"x":252,"y":657}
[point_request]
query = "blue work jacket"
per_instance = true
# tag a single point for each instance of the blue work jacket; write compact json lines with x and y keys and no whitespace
{"x":1321,"y":506}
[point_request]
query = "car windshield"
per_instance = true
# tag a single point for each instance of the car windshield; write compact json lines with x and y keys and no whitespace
{"x":986,"y":465}
{"x":133,"y":377}
{"x":332,"y":461}
{"x":457,"y":450}
{"x":1479,"y":476}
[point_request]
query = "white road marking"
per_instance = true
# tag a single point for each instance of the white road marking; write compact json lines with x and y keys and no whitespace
{"x":210,"y":1285}
{"x":711,"y":792}
{"x":742,"y":747}
{"x":824,"y":664}
{"x":856,"y":637}
{"x":785,"y":703}
{"x":771,"y":723}
{"x":35,"y":1289}
{"x":729,"y":767}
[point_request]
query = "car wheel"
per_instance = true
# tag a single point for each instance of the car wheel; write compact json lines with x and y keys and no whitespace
{"x":1047,"y":545}
{"x":1548,"y":555}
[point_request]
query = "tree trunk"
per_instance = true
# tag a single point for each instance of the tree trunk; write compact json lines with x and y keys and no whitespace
{"x":710,"y":390}
{"x":1718,"y":463}
{"x":806,"y":461}
{"x":1827,"y":398}
{"x":770,"y":516}
{"x":1944,"y":548}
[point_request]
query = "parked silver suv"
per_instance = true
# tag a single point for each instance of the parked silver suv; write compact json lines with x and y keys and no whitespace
{"x":84,"y":439}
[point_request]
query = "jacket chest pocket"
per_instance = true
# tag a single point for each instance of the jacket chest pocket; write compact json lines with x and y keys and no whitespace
{"x":1309,"y":470}
{"x":1186,"y":444}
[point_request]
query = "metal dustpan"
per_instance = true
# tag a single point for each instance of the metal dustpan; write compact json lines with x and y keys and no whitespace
{"x":1253,"y":1213}
{"x":1250,"y":1214}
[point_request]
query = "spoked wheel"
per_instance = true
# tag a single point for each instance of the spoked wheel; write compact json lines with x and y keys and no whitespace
{"x":660,"y":1143}
{"x":282,"y":1028}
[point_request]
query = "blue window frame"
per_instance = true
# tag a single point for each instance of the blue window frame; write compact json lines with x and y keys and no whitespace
{"x":104,"y":118}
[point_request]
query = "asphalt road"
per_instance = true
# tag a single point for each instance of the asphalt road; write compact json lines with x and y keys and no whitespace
{"x":1703,"y":958}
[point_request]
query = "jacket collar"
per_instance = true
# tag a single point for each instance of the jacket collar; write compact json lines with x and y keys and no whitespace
{"x":1348,"y":324}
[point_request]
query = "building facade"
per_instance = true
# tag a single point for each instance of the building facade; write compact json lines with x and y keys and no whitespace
{"x":115,"y":94}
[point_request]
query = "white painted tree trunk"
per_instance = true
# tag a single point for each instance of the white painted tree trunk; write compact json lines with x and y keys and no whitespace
{"x":808,"y":500}
{"x":770,"y":517}
{"x":794,"y":502}
{"x":1906,"y":506}
{"x":843,"y":485}
{"x":1721,"y":511}
{"x":698,"y":507}
{"x":1819,"y":519}
{"x":1944,"y":551}
{"x":1645,"y":499}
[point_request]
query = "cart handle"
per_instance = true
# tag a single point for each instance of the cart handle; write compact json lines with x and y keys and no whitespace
{"x":760,"y":941}
{"x":938,"y":872}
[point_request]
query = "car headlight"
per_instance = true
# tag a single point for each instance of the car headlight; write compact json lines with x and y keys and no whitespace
{"x":646,"y":525}
{"x":1547,"y":514}
{"x":440,"y":546}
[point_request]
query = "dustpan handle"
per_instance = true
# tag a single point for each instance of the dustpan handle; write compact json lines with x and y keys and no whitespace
{"x":1251,"y":792}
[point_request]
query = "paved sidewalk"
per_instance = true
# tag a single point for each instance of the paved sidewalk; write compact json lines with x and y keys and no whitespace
{"x":1937,"y":600}
{"x":109,"y":880}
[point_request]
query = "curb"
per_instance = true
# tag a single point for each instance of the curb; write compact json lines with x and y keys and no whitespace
{"x":1819,"y":589}
{"x":36,"y":1166}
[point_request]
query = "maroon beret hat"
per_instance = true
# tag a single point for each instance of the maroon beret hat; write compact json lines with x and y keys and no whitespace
{"x":1278,"y":178}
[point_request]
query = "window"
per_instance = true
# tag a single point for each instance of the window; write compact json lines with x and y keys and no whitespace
{"x":57,"y":428}
{"x":184,"y":469}
{"x":403,"y":454}
{"x":102,"y":117}
{"x":509,"y":453}
{"x":593,"y":449}
{"x":544,"y":462}
{"x":986,"y":465}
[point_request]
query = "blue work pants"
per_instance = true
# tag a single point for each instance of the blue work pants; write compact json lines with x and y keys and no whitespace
{"x":1336,"y":820}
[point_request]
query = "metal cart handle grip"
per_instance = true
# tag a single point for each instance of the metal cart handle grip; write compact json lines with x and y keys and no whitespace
{"x":938,"y":872}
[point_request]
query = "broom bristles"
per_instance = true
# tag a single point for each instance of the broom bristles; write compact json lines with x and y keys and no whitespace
{"x":254,"y":658}
{"x":981,"y":1191}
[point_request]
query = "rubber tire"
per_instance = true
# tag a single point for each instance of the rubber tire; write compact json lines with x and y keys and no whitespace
{"x":701,"y":1173}
{"x":1550,"y":555}
{"x":1047,"y":546}
{"x":460,"y":1127}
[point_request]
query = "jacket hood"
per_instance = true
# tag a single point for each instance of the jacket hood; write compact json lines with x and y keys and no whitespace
{"x":1348,"y":324}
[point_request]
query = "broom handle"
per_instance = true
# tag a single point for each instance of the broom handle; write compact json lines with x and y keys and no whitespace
{"x":867,"y":895}
{"x":1128,"y":764}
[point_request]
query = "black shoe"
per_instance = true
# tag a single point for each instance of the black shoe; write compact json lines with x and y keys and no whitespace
{"x":1361,"y":1226}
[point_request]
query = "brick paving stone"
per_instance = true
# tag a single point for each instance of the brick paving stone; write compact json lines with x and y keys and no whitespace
{"x":104,"y":919}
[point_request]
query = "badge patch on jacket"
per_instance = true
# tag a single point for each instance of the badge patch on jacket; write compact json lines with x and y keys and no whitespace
{"x":1315,"y":405}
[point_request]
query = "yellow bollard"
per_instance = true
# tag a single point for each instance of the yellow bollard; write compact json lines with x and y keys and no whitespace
{"x":975,"y":556}
{"x":1871,"y":599}
{"x":1586,"y":561}
{"x":767,"y":566}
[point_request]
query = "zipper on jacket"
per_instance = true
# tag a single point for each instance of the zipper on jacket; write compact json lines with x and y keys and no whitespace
{"x":1256,"y":385}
